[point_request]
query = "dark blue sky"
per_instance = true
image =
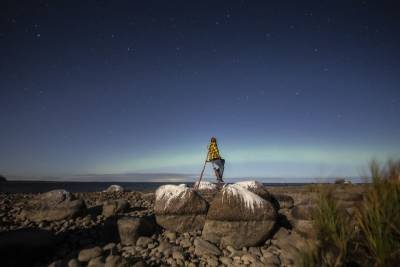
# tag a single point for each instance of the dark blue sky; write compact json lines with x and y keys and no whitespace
{"x":290,"y":90}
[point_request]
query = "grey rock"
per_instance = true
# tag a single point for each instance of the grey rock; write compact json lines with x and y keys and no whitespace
{"x":233,"y":221}
{"x":270,"y":259}
{"x":179,"y":208}
{"x":74,"y":263}
{"x":185,"y":243}
{"x":203,"y":247}
{"x":113,"y":207}
{"x":178,"y":255}
{"x":130,"y":228}
{"x":304,"y":227}
{"x":234,"y":252}
{"x":225,"y":260}
{"x":181,"y":223}
{"x":96,"y":262}
{"x":170,"y":235}
{"x":282,"y":233}
{"x":54,"y":205}
{"x":303,"y":211}
{"x":237,"y":233}
{"x":86,"y":255}
{"x":211,"y":260}
{"x":143,"y":241}
{"x":255,"y":251}
{"x":114,"y":261}
{"x":111,"y":247}
{"x":163,"y":246}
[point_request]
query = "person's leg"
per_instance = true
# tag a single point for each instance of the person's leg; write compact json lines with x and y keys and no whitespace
{"x":219,"y":169}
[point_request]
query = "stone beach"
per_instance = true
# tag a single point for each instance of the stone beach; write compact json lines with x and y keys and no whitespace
{"x":238,"y":225}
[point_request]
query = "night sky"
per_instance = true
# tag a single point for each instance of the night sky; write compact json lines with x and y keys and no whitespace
{"x":296,"y":89}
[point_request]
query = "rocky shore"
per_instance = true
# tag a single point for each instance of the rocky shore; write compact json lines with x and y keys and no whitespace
{"x":243,"y":224}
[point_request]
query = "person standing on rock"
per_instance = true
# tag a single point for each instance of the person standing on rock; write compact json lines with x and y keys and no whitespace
{"x":217,"y":162}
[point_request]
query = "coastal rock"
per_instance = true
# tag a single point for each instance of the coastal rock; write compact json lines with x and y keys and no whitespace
{"x":86,"y":255}
{"x":239,"y":218}
{"x":114,"y":261}
{"x":179,"y":208}
{"x":113,"y":207}
{"x":131,"y":228}
{"x":53,"y":206}
{"x":304,"y":227}
{"x":114,"y":188}
{"x":73,"y":263}
{"x":203,"y":247}
{"x":96,"y":262}
{"x":205,"y":186}
{"x":259,"y":189}
{"x":291,"y":247}
{"x":303,"y":211}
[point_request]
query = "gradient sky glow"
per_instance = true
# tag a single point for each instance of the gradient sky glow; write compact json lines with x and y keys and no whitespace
{"x":290,"y":90}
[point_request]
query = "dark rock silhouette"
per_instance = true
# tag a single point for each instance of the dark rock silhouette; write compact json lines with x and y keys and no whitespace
{"x":2,"y":179}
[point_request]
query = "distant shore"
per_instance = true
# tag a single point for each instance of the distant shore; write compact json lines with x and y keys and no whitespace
{"x":44,"y":186}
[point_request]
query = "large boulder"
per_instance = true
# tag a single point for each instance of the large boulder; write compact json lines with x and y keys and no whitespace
{"x":179,"y":208}
{"x":206,"y":189}
{"x":53,"y":206}
{"x":239,"y":218}
{"x":205,"y":186}
{"x":131,"y":228}
{"x":259,"y":189}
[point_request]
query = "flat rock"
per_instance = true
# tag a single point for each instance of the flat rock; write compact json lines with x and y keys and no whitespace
{"x":54,"y":205}
{"x":203,"y":247}
{"x":86,"y":255}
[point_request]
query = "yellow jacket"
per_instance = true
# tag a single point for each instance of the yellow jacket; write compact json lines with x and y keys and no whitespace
{"x":213,"y":152}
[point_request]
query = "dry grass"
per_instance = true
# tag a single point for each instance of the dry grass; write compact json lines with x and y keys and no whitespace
{"x":372,"y":236}
{"x":334,"y":232}
{"x":379,"y":217}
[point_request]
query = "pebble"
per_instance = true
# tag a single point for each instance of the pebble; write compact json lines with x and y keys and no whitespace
{"x":143,"y":241}
{"x":90,"y":253}
{"x":74,"y":263}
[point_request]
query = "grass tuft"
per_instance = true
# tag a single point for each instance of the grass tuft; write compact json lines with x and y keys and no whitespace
{"x":372,"y":236}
